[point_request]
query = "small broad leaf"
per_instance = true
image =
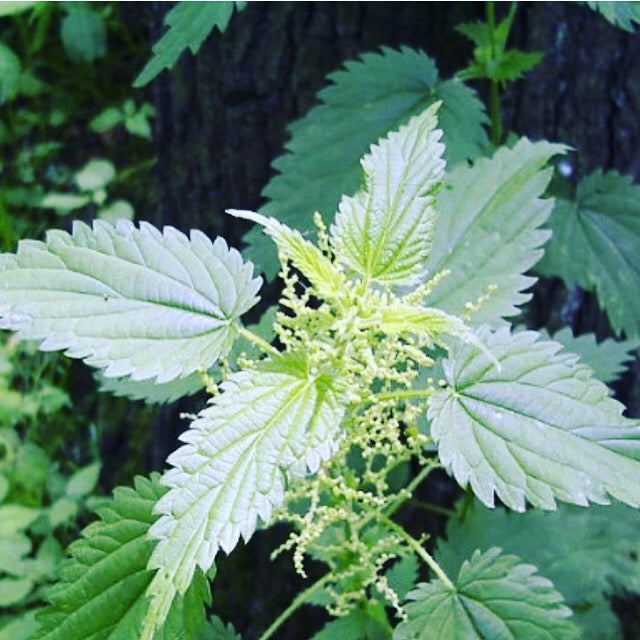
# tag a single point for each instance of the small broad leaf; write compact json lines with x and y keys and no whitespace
{"x":487,"y":231}
{"x":495,"y":597}
{"x":97,"y":173}
{"x":586,"y":553}
{"x":83,"y":32}
{"x":102,"y":589}
{"x":136,"y":302}
{"x":384,"y":232}
{"x":539,"y":428}
{"x":189,"y":25}
{"x":326,"y":277}
{"x":606,"y":358}
{"x":83,"y":481}
{"x":596,"y":244}
{"x":266,"y":426}
{"x":366,"y":100}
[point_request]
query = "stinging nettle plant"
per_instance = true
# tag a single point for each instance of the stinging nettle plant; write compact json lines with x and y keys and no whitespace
{"x":390,"y":352}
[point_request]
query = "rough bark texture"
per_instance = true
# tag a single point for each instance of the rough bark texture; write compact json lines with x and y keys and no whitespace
{"x":222,"y":116}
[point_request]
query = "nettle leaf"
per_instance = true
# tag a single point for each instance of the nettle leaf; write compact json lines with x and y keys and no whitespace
{"x":596,"y":244}
{"x":101,"y":594}
{"x":607,"y":358}
{"x":149,"y":390}
{"x":587,"y":553}
{"x":136,"y":302}
{"x":538,"y":428}
{"x":366,"y":99}
{"x":326,"y":277}
{"x":216,"y":630}
{"x":619,"y":14}
{"x":384,"y":232}
{"x":495,"y":597}
{"x":267,"y":426}
{"x":189,"y":25}
{"x":487,"y":231}
{"x":432,"y":325}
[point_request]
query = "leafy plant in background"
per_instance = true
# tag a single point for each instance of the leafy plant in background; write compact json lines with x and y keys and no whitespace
{"x":394,"y":357}
{"x":39,"y":501}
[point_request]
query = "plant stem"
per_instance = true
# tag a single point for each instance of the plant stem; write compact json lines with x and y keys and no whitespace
{"x":262,"y":344}
{"x":434,"y":508}
{"x":494,"y":91}
{"x":403,"y":394}
{"x":420,"y":550}
{"x":296,"y":603}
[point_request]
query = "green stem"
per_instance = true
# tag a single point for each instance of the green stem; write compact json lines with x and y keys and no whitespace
{"x":405,"y":394}
{"x":262,"y":344}
{"x":494,"y":91}
{"x":296,"y":603}
{"x":392,"y":507}
{"x":420,"y":550}
{"x":433,"y":508}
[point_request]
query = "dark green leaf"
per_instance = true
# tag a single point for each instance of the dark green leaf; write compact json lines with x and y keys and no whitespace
{"x":596,"y":244}
{"x":189,"y":25}
{"x":368,"y":98}
{"x":102,"y":590}
{"x":587,"y":553}
{"x":495,"y":598}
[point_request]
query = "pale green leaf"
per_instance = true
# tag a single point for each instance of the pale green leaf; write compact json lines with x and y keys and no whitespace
{"x":538,"y":428}
{"x":495,"y":598}
{"x":606,"y":358}
{"x":84,"y":480}
{"x":101,"y":595}
{"x":189,"y":25}
{"x":366,"y":100}
{"x":16,"y":517}
{"x":586,"y":553}
{"x":13,"y":590}
{"x":96,"y":174}
{"x":432,"y":325}
{"x":62,"y":511}
{"x":384,"y":232}
{"x":266,"y":426}
{"x":487,"y":231}
{"x":136,"y":302}
{"x":63,"y":202}
{"x":619,"y":13}
{"x":325,"y":276}
{"x":83,"y":33}
{"x":118,"y":210}
{"x":596,"y":244}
